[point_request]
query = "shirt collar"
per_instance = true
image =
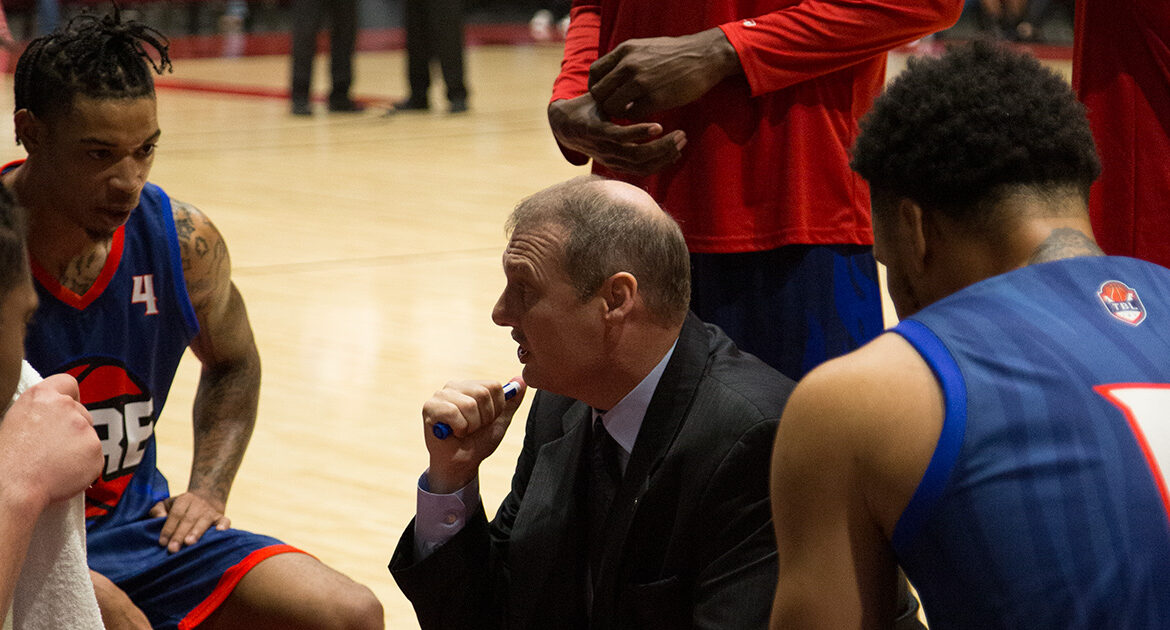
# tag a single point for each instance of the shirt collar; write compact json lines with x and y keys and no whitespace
{"x":625,"y":419}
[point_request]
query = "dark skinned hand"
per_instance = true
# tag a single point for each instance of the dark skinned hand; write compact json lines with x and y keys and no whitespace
{"x":638,"y":148}
{"x":644,"y":76}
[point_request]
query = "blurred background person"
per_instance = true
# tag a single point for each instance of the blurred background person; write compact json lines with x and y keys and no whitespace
{"x":434,"y":32}
{"x":306,"y":21}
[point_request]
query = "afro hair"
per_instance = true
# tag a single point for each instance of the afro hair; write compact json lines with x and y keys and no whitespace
{"x":955,"y":131}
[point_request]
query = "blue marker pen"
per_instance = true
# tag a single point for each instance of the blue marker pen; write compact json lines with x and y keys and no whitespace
{"x":441,"y":430}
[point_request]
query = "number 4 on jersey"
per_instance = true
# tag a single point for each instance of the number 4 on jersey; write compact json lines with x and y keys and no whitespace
{"x":1147,"y":407}
{"x":143,"y":293}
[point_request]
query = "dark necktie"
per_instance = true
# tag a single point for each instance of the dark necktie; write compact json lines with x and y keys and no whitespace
{"x":604,"y":477}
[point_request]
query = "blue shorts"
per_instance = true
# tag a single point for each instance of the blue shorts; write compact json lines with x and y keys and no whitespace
{"x":793,"y":307}
{"x":176,"y":590}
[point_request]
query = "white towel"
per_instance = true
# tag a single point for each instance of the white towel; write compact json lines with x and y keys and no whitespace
{"x":54,"y":590}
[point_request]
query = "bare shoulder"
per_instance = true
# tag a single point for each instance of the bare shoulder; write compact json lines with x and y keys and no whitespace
{"x":206,"y":264}
{"x":877,"y":412}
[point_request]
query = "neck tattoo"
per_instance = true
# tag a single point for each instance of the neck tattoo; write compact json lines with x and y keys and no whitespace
{"x":1065,"y":243}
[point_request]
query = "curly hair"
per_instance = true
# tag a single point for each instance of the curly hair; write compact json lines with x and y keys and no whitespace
{"x":604,"y":236}
{"x":94,"y":56}
{"x":955,"y":132}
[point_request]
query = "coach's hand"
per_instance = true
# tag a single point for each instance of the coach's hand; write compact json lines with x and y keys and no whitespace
{"x":118,"y":612}
{"x":478,"y":417}
{"x":188,"y":516}
{"x":644,"y":76}
{"x":640,"y":148}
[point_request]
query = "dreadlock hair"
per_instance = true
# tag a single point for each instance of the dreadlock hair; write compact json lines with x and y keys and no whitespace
{"x":95,"y":56}
{"x":13,"y":259}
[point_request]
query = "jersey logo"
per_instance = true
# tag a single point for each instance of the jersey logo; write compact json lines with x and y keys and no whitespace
{"x":123,"y":416}
{"x":143,"y":293}
{"x":1122,"y":302}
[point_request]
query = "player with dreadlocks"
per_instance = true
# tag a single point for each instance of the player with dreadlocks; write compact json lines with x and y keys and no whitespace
{"x":128,"y":279}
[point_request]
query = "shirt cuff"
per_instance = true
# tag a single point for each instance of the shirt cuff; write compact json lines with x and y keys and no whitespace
{"x":438,"y":517}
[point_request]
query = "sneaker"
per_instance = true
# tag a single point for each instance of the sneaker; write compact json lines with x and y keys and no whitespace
{"x":300,"y":108}
{"x":540,"y":26}
{"x":411,"y":105}
{"x":458,"y":106}
{"x":347,"y":106}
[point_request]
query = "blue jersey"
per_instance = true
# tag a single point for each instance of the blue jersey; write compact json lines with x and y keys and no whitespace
{"x":122,"y":340}
{"x":1044,"y":505}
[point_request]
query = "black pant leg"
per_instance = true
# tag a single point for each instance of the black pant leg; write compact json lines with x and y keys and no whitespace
{"x":418,"y":49}
{"x":306,"y":19}
{"x":445,"y":19}
{"x":342,"y":41}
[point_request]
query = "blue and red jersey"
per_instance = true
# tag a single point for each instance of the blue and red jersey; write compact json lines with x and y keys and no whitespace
{"x":1045,"y":502}
{"x":122,"y":340}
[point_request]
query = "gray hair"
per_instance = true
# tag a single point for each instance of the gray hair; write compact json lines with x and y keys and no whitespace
{"x":605,"y":235}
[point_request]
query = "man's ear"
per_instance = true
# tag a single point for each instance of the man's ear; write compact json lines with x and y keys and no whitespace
{"x":918,"y":231}
{"x":619,"y":291}
{"x":30,"y":130}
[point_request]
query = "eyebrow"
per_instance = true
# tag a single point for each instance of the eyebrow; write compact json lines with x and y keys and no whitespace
{"x":106,"y":143}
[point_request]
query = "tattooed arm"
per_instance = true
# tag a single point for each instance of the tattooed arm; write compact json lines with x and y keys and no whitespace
{"x":229,"y":385}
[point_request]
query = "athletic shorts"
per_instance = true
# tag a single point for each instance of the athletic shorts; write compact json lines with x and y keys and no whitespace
{"x":176,"y":590}
{"x":793,"y":307}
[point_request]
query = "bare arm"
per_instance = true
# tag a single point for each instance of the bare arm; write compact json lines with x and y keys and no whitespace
{"x":48,"y":452}
{"x":19,"y":516}
{"x":229,"y":385}
{"x":853,"y":443}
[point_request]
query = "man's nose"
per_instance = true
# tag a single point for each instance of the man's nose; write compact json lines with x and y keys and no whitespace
{"x":129,"y":177}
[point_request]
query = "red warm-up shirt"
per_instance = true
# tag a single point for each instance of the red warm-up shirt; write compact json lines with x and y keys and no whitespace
{"x":767,"y":157}
{"x":1121,"y":70}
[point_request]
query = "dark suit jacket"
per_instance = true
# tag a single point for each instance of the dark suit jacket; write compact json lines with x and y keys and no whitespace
{"x":690,"y":531}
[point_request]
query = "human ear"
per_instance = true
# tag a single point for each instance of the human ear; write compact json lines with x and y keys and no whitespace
{"x":30,"y":130}
{"x":619,"y":292}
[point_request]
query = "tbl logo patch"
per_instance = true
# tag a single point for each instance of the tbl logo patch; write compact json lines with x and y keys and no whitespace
{"x":1122,"y":302}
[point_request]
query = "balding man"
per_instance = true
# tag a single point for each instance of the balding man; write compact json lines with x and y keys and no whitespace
{"x":640,"y":499}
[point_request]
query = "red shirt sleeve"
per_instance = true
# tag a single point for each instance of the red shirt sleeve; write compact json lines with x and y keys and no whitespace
{"x":581,"y":42}
{"x":816,"y":37}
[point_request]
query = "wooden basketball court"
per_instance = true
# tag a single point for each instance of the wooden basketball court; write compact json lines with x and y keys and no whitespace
{"x":367,"y":249}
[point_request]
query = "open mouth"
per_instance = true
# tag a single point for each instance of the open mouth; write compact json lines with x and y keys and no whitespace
{"x":521,"y":350}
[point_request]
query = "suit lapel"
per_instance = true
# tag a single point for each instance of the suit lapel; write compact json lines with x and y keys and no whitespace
{"x":664,"y":418}
{"x":548,"y":535}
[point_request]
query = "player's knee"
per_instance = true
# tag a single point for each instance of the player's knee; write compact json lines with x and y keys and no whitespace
{"x":359,"y":609}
